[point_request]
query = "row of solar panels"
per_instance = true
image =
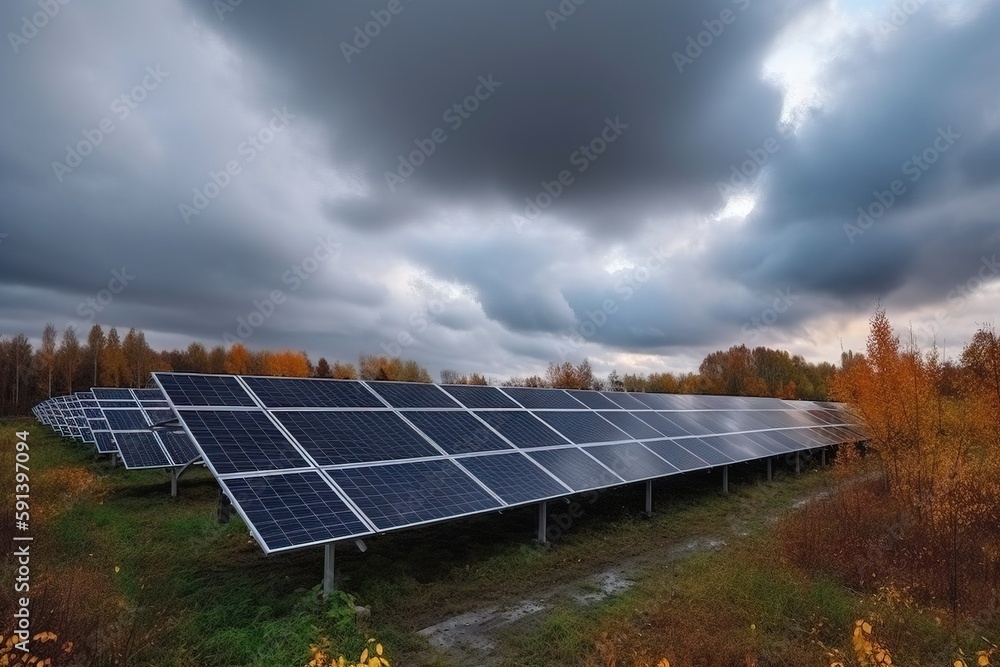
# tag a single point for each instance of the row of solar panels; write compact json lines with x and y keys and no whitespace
{"x":311,"y":461}
{"x":121,"y":421}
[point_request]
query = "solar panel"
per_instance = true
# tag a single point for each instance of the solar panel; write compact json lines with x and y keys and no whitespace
{"x":631,"y":461}
{"x":241,"y":441}
{"x":117,"y":404}
{"x":126,"y":420}
{"x":342,"y":437}
{"x":148,"y":394}
{"x":514,"y":477}
{"x":105,"y":442}
{"x":204,"y":390}
{"x":413,"y":395}
{"x":543,"y":399}
{"x":522,"y":429}
{"x":311,"y":393}
{"x":413,"y":493}
{"x":582,"y":427}
{"x":652,"y":401}
{"x":141,"y":450}
{"x":673,"y":453}
{"x":577,"y":470}
{"x":705,"y":451}
{"x":476,"y":397}
{"x":159,"y":416}
{"x":623,"y":400}
{"x":737,"y":447}
{"x":457,"y":432}
{"x":632,"y":425}
{"x":592,"y":399}
{"x":178,"y":446}
{"x":662,"y":423}
{"x":108,"y":393}
{"x":295,"y":509}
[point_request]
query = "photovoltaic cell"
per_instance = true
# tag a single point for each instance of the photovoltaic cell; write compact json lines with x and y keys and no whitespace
{"x":108,"y":393}
{"x":674,"y":454}
{"x":632,"y":425}
{"x":294,"y":509}
{"x":178,"y":446}
{"x":148,"y":394}
{"x":577,"y":470}
{"x":705,"y":451}
{"x":662,"y":423}
{"x":105,"y":442}
{"x":204,"y":390}
{"x":311,"y":393}
{"x":514,"y":478}
{"x":161,"y":416}
{"x":126,"y":420}
{"x":623,"y":400}
{"x":737,"y":447}
{"x":410,"y":493}
{"x":543,"y":399}
{"x":413,"y":395}
{"x":117,"y":404}
{"x":241,"y":441}
{"x":522,"y":429}
{"x":339,"y":437}
{"x":582,"y":427}
{"x":141,"y":450}
{"x":631,"y":461}
{"x":457,"y":432}
{"x":476,"y":397}
{"x":592,"y":399}
{"x":99,"y":425}
{"x":652,"y":401}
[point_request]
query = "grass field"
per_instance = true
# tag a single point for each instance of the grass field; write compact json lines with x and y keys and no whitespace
{"x":132,"y":576}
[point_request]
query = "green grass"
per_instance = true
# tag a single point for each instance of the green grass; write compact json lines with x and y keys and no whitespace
{"x":189,"y":591}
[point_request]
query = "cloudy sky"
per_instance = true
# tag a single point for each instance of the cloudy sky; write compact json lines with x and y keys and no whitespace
{"x":492,"y":185}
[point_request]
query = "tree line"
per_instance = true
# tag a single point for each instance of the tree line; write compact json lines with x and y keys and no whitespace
{"x":64,"y":364}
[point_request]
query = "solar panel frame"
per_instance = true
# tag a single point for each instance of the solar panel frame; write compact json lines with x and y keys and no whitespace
{"x":401,"y":395}
{"x":633,"y":462}
{"x":298,"y":393}
{"x":479,"y":397}
{"x":533,"y":398}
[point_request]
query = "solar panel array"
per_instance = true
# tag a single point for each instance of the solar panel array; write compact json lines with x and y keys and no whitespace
{"x":120,"y":421}
{"x":310,"y":461}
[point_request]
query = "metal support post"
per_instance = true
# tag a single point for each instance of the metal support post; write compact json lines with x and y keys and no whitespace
{"x":649,"y":497}
{"x":543,"y":514}
{"x":770,"y":474}
{"x":725,"y":479}
{"x":328,"y":563}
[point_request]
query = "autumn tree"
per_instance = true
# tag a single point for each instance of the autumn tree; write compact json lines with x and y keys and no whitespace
{"x":381,"y":367}
{"x":217,"y":360}
{"x":46,"y":359}
{"x":196,"y":358}
{"x":113,"y":366}
{"x":343,"y":371}
{"x":323,"y":368}
{"x":138,"y":357}
{"x":238,"y":359}
{"x":69,"y":356}
{"x":92,"y":353}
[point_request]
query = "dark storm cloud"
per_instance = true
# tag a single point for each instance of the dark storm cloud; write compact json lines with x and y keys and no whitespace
{"x":555,"y":90}
{"x":436,"y":261}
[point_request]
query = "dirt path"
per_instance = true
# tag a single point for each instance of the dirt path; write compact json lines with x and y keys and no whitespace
{"x":471,"y":638}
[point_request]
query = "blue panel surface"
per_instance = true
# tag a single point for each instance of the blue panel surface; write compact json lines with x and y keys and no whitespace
{"x":676,"y":455}
{"x":593,"y":399}
{"x":204,"y":390}
{"x":403,"y":494}
{"x":241,"y":441}
{"x":413,"y":395}
{"x":577,"y":470}
{"x":311,"y":393}
{"x":457,"y":432}
{"x":631,"y":424}
{"x":294,"y":509}
{"x":514,"y":478}
{"x":631,"y":461}
{"x":582,"y":427}
{"x":178,"y":446}
{"x":543,"y":399}
{"x":522,"y":429}
{"x":621,"y":399}
{"x":340,"y":437}
{"x":126,"y":420}
{"x":477,"y":396}
{"x":141,"y":450}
